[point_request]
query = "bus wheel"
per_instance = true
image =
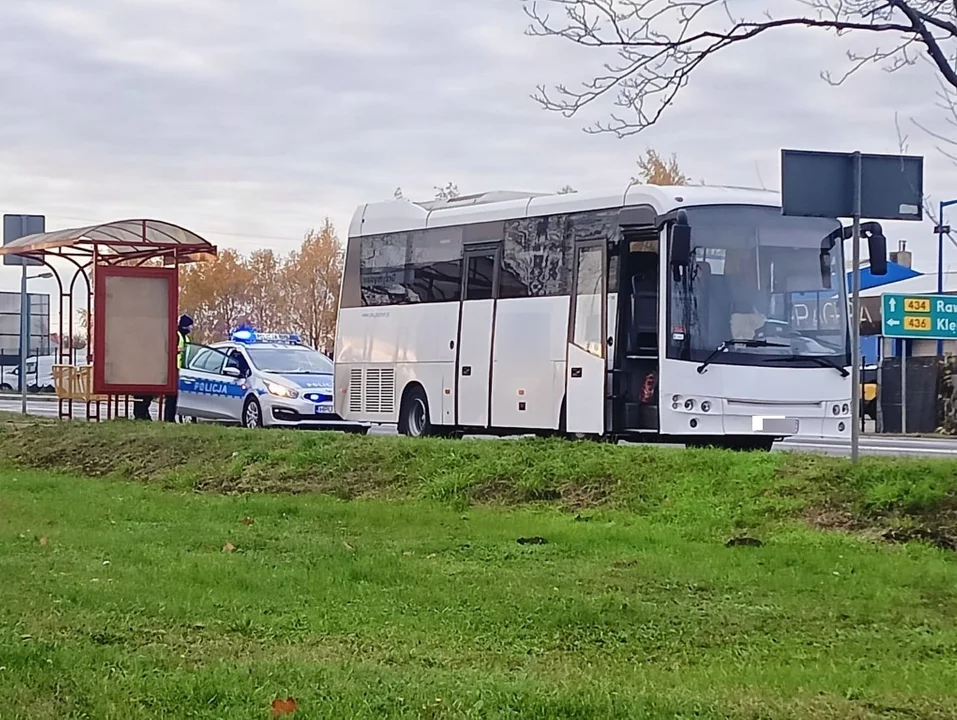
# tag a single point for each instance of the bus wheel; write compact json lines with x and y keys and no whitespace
{"x":414,"y":418}
{"x":753,"y":444}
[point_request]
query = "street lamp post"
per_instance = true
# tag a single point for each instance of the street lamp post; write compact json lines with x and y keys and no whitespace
{"x":25,"y":332}
{"x":941,"y":230}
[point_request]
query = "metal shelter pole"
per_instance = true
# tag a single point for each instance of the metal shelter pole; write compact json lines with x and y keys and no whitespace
{"x":24,"y":338}
{"x":856,"y":315}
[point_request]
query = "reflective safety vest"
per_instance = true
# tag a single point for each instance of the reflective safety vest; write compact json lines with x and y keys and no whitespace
{"x":180,"y":348}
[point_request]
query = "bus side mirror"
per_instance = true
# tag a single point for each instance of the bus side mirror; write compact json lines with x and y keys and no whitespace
{"x":877,"y":252}
{"x":680,"y":241}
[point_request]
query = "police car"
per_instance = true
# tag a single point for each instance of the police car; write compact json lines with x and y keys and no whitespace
{"x":260,"y":380}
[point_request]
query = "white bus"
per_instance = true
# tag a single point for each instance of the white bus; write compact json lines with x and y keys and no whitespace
{"x":653,"y":314}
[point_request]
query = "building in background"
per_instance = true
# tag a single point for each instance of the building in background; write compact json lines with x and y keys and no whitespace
{"x":39,"y":322}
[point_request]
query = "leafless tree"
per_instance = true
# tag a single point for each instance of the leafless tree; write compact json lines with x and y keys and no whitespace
{"x":566,"y":190}
{"x":656,"y":45}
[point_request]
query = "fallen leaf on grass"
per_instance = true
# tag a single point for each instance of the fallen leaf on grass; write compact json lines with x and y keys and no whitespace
{"x":229,"y":547}
{"x":44,"y":542}
{"x":282,"y":707}
{"x":347,"y":546}
{"x":248,"y":521}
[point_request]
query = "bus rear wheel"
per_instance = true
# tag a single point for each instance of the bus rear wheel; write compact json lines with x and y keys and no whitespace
{"x":414,"y":419}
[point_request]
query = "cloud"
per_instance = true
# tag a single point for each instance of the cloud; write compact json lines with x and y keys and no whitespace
{"x":249,"y":126}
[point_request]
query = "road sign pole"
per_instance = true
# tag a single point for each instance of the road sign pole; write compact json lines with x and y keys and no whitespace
{"x":940,"y":248}
{"x":940,"y":264}
{"x":856,"y":314}
{"x":879,"y":414}
{"x":904,"y":345}
{"x":941,"y":230}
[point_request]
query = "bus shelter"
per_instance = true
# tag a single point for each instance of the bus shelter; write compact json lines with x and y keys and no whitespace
{"x":126,"y":274}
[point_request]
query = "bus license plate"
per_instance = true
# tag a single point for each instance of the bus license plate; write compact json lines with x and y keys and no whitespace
{"x":324,"y":409}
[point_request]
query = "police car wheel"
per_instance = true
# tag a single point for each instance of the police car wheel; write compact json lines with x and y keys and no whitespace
{"x":252,"y":414}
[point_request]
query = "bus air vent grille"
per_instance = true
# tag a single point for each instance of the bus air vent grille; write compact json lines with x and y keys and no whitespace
{"x":387,"y":390}
{"x":373,"y":390}
{"x":379,"y":390}
{"x":355,"y":390}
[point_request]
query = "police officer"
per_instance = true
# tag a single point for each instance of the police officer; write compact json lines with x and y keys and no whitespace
{"x":182,"y":336}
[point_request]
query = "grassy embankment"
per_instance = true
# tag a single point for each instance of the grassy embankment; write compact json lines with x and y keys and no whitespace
{"x":391,"y":583}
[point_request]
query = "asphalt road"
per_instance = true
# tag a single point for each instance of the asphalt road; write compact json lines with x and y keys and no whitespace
{"x":871,"y":444}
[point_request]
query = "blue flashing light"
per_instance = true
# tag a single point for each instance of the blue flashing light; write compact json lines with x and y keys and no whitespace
{"x":244,"y":335}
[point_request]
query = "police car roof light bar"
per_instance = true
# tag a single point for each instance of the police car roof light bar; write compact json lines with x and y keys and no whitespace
{"x":280,"y":338}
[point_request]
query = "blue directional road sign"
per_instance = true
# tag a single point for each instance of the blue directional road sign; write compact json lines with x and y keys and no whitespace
{"x":933,"y":317}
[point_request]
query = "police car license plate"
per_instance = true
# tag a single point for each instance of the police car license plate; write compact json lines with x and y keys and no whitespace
{"x":324,"y":409}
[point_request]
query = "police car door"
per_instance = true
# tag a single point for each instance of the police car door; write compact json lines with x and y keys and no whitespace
{"x":237,"y":368}
{"x":205,"y":388}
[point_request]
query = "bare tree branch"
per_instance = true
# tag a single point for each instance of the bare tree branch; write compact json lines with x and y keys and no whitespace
{"x":902,"y":144}
{"x":656,"y":45}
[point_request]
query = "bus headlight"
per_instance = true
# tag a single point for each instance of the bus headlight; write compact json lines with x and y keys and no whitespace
{"x":706,"y":406}
{"x":689,"y":404}
{"x":280,"y":390}
{"x":836,"y":409}
{"x":845,"y":408}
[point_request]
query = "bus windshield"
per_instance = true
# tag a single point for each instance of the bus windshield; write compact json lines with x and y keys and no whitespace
{"x":757,"y":275}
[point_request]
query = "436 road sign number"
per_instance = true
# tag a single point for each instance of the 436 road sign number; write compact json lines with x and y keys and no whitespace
{"x":917,"y":323}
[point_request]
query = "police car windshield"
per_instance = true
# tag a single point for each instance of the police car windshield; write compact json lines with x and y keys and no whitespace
{"x":290,"y":361}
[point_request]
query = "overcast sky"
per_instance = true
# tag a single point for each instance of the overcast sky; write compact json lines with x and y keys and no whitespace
{"x":249,"y":122}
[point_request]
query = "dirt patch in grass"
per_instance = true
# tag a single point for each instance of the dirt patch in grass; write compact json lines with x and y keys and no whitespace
{"x":939,"y":530}
{"x":938,"y":537}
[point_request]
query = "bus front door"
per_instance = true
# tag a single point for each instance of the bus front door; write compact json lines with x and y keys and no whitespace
{"x":585,"y":368}
{"x":476,"y":320}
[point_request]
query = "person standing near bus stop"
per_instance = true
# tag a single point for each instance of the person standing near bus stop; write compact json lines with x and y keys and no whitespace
{"x":183,"y":330}
{"x":141,"y":403}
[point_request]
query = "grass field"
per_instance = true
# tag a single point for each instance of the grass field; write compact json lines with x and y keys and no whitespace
{"x":209,"y":571}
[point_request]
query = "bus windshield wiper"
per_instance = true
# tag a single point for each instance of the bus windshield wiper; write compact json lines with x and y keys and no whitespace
{"x":819,"y":359}
{"x":729,"y":343}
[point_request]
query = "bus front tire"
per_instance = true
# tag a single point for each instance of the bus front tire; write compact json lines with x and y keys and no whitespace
{"x":414,"y":418}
